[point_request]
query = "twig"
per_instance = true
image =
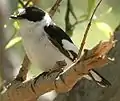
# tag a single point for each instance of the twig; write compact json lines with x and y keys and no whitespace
{"x":27,"y":3}
{"x":87,"y":29}
{"x":24,"y":5}
{"x":67,"y":19}
{"x":23,"y":70}
{"x":54,"y":8}
{"x":79,"y":21}
{"x":70,"y":7}
{"x":68,"y":26}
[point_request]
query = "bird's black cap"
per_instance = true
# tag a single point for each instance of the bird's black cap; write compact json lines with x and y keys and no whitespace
{"x":30,"y":13}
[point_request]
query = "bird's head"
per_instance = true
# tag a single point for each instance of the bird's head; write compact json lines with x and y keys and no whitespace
{"x":32,"y":14}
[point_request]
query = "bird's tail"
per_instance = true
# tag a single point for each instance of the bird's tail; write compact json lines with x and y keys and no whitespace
{"x":95,"y":76}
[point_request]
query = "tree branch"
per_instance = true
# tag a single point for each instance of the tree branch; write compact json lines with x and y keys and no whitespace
{"x":87,"y":29}
{"x":22,"y":75}
{"x":54,"y":8}
{"x":32,"y":89}
{"x":69,"y":27}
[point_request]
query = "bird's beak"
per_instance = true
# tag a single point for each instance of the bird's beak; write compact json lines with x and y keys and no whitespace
{"x":21,"y":13}
{"x":15,"y":17}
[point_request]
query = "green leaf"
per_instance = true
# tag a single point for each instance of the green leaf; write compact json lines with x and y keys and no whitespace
{"x":109,"y":10}
{"x":104,"y":27}
{"x":19,"y":5}
{"x":84,"y":16}
{"x":13,"y":42}
{"x":16,"y":25}
{"x":31,"y":3}
{"x":91,"y":5}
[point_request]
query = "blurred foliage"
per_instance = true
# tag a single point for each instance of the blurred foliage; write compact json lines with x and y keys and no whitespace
{"x":105,"y":20}
{"x":14,"y":40}
{"x":69,"y":27}
{"x":16,"y":25}
{"x":91,"y":5}
{"x":104,"y":27}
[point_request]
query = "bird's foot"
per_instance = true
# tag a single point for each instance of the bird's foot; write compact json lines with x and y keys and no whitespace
{"x":59,"y":67}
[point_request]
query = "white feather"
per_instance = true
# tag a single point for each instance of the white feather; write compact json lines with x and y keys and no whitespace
{"x":69,"y":46}
{"x":21,"y":11}
{"x":47,"y":20}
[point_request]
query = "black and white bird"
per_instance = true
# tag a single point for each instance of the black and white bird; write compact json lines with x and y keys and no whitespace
{"x":46,"y":43}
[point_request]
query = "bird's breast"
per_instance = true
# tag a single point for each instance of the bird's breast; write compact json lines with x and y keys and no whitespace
{"x":41,"y":52}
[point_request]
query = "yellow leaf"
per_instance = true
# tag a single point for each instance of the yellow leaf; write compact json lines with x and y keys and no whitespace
{"x":13,"y":42}
{"x":105,"y":28}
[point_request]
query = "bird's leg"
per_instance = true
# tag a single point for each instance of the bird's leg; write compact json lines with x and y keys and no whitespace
{"x":58,"y":67}
{"x":42,"y":74}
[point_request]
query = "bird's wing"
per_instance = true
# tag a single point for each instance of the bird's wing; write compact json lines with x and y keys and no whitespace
{"x":62,"y":41}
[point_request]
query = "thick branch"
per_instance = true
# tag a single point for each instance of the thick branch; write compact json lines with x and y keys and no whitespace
{"x":32,"y":89}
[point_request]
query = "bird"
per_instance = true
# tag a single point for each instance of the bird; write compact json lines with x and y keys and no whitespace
{"x":46,"y":43}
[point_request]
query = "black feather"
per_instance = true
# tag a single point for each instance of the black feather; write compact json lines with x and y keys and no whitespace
{"x":30,"y":13}
{"x":56,"y":35}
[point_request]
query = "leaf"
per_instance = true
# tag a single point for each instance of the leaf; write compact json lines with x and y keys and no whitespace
{"x":104,"y":27}
{"x":13,"y":42}
{"x":31,"y":3}
{"x":20,"y":5}
{"x":84,"y":16}
{"x":16,"y":25}
{"x":105,"y":13}
{"x":109,"y":10}
{"x":91,"y":5}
